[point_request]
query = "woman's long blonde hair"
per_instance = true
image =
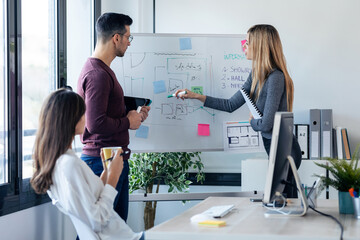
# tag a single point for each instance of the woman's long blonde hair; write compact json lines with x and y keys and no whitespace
{"x":59,"y":115}
{"x":267,"y":55}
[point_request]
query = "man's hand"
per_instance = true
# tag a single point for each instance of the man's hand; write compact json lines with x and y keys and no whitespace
{"x":134,"y":119}
{"x":144,"y":112}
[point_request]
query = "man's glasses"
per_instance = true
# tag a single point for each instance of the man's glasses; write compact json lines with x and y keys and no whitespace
{"x":130,"y":37}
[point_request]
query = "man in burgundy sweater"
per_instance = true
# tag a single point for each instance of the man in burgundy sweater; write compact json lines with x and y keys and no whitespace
{"x":107,"y":123}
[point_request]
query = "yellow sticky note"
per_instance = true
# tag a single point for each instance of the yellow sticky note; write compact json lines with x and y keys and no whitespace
{"x":212,"y":223}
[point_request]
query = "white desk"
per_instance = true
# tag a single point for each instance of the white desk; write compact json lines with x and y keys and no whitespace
{"x":248,"y":222}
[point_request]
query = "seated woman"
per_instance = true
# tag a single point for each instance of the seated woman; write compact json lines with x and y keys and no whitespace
{"x":73,"y":187}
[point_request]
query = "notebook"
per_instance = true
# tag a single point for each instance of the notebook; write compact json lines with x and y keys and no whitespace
{"x":251,"y":105}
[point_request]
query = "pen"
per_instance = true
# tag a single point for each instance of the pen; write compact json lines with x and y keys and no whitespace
{"x":122,"y":154}
{"x":311,"y":190}
{"x":315,"y":185}
{"x":179,"y":94}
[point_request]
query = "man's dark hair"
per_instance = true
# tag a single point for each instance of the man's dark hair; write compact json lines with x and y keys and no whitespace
{"x":110,"y":23}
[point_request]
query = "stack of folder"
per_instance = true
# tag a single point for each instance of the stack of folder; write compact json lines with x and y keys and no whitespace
{"x":324,"y":140}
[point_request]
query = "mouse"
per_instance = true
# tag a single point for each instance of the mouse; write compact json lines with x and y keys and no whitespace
{"x":200,"y":217}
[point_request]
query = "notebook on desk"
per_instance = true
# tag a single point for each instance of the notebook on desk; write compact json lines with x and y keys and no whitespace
{"x":251,"y":105}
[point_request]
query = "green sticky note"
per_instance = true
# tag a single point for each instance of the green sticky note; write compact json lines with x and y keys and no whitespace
{"x":197,"y":89}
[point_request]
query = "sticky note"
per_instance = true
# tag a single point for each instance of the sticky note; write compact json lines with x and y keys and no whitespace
{"x":197,"y":89}
{"x":204,"y":129}
{"x":212,"y":223}
{"x":159,"y":86}
{"x":185,"y":44}
{"x":142,"y":132}
{"x":243,"y":45}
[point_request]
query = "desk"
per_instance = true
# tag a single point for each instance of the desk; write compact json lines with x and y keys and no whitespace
{"x":248,"y":222}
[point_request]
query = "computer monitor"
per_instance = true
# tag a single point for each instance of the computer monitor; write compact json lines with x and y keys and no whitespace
{"x":279,"y":161}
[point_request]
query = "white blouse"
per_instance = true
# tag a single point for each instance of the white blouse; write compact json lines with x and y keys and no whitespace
{"x":79,"y":193}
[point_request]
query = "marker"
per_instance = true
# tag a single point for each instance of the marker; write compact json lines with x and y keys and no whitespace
{"x":121,"y":154}
{"x":351,"y":191}
{"x":179,"y":94}
{"x":356,"y":195}
{"x":138,"y":109}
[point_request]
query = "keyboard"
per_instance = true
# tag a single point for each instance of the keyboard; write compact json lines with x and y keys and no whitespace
{"x":219,"y":211}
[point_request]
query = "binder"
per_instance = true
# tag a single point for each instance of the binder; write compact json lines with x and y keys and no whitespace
{"x":251,"y":105}
{"x":315,"y":133}
{"x":302,"y":135}
{"x":326,"y":133}
{"x":339,"y":143}
{"x":346,"y":145}
{"x":335,"y":153}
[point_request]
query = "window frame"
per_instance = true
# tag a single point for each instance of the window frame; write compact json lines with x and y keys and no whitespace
{"x":19,"y":194}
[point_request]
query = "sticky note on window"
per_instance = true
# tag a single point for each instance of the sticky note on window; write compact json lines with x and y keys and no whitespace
{"x":185,"y":44}
{"x":142,"y":132}
{"x":159,"y":86}
{"x":204,"y":129}
{"x":197,"y":89}
{"x":243,"y":45}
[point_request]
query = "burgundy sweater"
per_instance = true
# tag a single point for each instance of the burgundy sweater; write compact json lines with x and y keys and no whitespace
{"x":106,"y":121}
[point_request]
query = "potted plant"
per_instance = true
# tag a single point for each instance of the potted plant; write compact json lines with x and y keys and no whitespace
{"x":345,"y":175}
{"x":147,"y":169}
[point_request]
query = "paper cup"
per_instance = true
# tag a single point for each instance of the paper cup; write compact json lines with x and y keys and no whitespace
{"x":108,"y":153}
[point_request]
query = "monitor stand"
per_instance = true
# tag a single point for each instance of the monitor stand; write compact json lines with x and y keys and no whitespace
{"x":287,"y":211}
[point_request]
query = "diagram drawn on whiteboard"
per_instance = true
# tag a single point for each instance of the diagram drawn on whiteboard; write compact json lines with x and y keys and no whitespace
{"x":156,"y":66}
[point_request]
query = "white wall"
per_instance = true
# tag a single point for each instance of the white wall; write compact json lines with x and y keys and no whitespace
{"x":43,"y":222}
{"x":139,"y":10}
{"x":79,"y":41}
{"x":320,"y":40}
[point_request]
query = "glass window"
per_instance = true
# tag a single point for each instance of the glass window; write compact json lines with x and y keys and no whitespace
{"x":38,"y":68}
{"x":3,"y":99}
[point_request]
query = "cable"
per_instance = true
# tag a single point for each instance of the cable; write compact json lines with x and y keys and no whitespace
{"x":321,"y":213}
{"x":337,"y":221}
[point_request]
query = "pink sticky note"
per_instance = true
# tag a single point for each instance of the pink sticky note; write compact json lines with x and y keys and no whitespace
{"x":243,"y":45}
{"x":204,"y":129}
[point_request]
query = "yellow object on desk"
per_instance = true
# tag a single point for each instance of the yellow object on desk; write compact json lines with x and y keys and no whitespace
{"x":212,"y":223}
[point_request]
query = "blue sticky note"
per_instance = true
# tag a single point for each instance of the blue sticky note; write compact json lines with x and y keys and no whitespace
{"x":142,"y":132}
{"x":185,"y":44}
{"x":159,"y":86}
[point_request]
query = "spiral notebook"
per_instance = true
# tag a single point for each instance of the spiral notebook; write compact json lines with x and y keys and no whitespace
{"x":251,"y":105}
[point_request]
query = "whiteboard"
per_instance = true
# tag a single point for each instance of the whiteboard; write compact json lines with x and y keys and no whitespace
{"x":156,"y":65}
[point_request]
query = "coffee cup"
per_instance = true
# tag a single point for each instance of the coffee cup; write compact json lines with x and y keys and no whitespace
{"x":109,"y":152}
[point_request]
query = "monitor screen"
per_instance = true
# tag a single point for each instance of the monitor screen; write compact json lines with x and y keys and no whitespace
{"x":280,"y":149}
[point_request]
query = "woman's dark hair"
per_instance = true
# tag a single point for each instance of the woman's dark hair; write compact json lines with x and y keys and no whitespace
{"x":110,"y":23}
{"x":59,"y":115}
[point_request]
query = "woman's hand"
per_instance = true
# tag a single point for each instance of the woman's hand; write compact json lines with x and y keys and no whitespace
{"x":104,"y":174}
{"x":189,"y":95}
{"x":115,"y":168}
{"x":251,"y":117}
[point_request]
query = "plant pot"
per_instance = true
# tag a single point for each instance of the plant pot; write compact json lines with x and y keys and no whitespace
{"x":345,"y":203}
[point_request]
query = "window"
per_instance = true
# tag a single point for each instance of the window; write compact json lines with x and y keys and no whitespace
{"x":32,"y":64}
{"x":38,"y":69}
{"x":3,"y":99}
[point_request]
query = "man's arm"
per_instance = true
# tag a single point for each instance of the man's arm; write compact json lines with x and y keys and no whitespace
{"x":96,"y":93}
